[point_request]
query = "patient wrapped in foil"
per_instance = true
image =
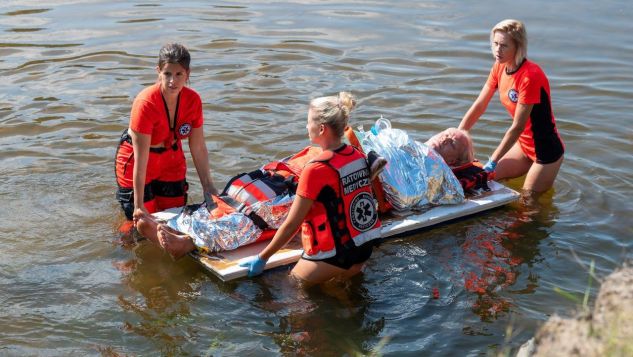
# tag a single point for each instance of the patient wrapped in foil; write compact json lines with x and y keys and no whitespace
{"x":415,"y":178}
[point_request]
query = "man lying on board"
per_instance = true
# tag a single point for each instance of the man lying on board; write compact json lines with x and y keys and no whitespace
{"x":412,"y":180}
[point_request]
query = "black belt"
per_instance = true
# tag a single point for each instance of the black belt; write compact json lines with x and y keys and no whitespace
{"x":126,"y":138}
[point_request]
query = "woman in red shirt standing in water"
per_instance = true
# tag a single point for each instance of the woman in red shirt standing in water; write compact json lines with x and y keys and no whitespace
{"x":150,"y":163}
{"x":334,"y":204}
{"x":532,"y":144}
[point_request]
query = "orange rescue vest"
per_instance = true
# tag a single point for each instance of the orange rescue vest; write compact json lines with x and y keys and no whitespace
{"x":336,"y":220}
{"x":272,"y":180}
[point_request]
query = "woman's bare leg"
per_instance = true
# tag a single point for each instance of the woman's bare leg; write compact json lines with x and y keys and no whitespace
{"x":513,"y":164}
{"x":310,"y":272}
{"x":540,"y":177}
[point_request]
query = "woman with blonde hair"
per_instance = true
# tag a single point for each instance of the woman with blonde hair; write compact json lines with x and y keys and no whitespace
{"x":334,"y":206}
{"x":532,"y":145}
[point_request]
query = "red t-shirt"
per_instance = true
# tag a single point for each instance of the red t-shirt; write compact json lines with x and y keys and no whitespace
{"x":539,"y":140}
{"x":149,"y":115}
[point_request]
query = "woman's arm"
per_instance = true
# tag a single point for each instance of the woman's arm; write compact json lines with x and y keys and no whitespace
{"x":521,"y":115}
{"x":298,"y":211}
{"x":140,"y":143}
{"x":200,"y":155}
{"x":477,"y":109}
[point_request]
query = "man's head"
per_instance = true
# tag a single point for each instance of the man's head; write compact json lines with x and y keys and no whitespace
{"x":454,"y":145}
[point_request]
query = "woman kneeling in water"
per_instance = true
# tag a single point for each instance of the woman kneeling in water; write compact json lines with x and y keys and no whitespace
{"x":334,"y":205}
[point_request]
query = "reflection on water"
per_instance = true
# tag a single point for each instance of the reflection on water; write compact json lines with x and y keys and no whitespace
{"x":496,"y":253}
{"x":161,"y":311}
{"x":314,"y":321}
{"x":71,"y":69}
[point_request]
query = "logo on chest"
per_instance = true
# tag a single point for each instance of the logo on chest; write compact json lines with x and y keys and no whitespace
{"x":513,"y":95}
{"x":184,"y":130}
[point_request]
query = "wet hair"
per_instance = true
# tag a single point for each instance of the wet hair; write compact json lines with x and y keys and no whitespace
{"x":174,"y":53}
{"x":334,"y":111}
{"x":517,"y":32}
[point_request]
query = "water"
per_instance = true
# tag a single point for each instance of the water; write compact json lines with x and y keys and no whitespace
{"x":70,"y":70}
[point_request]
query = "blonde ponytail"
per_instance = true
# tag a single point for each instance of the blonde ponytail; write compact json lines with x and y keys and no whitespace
{"x":334,"y":111}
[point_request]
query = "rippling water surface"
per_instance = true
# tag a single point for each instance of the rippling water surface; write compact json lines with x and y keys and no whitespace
{"x":70,"y":70}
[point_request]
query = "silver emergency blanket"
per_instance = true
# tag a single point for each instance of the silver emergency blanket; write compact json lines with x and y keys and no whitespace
{"x":416,"y":177}
{"x":231,"y":230}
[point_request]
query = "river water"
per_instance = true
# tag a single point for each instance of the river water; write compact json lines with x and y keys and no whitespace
{"x":70,"y":70}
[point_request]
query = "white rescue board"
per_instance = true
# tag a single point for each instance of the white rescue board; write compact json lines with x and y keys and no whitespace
{"x":225,"y":265}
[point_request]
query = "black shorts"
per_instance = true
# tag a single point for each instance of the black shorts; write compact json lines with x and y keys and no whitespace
{"x":350,"y":255}
{"x":125,"y":196}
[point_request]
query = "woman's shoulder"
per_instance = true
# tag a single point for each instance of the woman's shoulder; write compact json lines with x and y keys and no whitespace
{"x":315,"y":166}
{"x":190,"y":93}
{"x":316,"y":170}
{"x":496,"y":70}
{"x":532,"y":68}
{"x":148,"y":93}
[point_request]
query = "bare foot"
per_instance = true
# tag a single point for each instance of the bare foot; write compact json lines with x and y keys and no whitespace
{"x":147,"y":226}
{"x":174,"y":242}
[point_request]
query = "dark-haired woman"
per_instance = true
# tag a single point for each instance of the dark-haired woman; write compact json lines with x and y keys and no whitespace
{"x":150,"y":163}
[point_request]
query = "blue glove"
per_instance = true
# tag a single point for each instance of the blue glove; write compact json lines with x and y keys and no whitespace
{"x":490,"y":166}
{"x":255,"y":266}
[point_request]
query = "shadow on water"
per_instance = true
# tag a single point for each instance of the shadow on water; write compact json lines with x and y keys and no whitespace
{"x":472,"y":270}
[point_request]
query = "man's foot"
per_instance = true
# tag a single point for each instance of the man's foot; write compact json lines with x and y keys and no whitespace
{"x":174,"y":242}
{"x":147,"y":225}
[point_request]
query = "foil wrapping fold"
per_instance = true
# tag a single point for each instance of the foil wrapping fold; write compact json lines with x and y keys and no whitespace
{"x":275,"y":211}
{"x":416,"y":177}
{"x":232,"y":230}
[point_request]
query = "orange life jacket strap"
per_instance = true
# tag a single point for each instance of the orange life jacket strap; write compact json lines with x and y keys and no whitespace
{"x":383,"y":205}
